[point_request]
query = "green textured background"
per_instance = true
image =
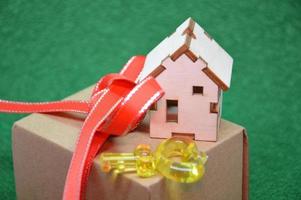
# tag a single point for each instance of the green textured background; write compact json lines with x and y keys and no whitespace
{"x":51,"y":49}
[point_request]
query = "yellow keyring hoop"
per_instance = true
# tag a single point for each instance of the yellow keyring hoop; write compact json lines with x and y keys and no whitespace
{"x":179,"y":159}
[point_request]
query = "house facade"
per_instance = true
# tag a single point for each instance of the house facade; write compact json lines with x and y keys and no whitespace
{"x":193,"y":71}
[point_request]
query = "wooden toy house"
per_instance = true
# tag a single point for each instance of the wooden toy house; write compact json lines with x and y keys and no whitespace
{"x":193,"y":70}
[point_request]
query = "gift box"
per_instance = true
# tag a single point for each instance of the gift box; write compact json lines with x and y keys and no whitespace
{"x":43,"y":145}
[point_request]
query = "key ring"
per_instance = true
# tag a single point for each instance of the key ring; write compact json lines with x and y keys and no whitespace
{"x":179,"y":159}
{"x":176,"y":158}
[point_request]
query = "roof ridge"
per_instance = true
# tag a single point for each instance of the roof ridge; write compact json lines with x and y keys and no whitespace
{"x":193,"y":41}
{"x":184,"y":49}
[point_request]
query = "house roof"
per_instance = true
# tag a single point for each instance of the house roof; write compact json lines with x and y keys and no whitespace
{"x":191,"y":39}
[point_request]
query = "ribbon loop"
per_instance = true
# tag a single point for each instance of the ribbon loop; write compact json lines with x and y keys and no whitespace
{"x":134,"y":106}
{"x":117,"y":104}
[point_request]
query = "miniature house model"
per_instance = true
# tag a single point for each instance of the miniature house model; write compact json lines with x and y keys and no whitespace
{"x":193,"y":71}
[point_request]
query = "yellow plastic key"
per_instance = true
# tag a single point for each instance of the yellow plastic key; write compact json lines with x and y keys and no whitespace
{"x":141,"y":160}
{"x":176,"y":158}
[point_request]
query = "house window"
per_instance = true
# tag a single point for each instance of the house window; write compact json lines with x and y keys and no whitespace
{"x":184,"y":135}
{"x":153,"y":106}
{"x":171,"y":110}
{"x":197,"y":90}
{"x":214,"y":108}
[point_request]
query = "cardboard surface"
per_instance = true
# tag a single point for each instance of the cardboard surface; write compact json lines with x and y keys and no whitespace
{"x":43,"y":146}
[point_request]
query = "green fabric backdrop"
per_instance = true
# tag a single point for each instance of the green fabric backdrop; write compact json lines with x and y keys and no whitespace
{"x":51,"y":49}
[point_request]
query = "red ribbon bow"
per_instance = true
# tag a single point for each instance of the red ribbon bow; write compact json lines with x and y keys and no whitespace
{"x":117,"y":105}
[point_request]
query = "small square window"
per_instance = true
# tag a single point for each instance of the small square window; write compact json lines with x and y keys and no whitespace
{"x":214,"y":108}
{"x":172,"y":110}
{"x":197,"y":90}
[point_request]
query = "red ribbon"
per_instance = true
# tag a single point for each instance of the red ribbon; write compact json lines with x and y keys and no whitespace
{"x":118,"y":103}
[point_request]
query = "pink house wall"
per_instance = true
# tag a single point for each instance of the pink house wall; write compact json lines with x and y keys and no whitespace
{"x":193,"y":110}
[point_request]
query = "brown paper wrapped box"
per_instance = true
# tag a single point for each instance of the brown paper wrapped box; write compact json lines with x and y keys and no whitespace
{"x":43,"y":146}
